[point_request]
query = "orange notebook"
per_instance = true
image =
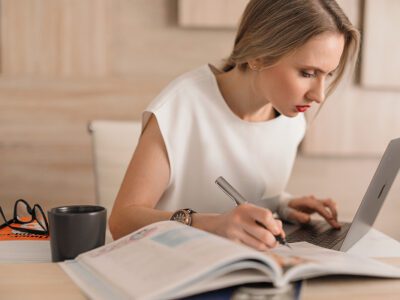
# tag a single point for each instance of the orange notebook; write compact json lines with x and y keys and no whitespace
{"x":7,"y":233}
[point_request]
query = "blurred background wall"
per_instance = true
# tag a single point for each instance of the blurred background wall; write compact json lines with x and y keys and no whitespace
{"x":66,"y":62}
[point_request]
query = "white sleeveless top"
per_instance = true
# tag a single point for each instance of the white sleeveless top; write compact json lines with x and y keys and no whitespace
{"x":205,"y":139}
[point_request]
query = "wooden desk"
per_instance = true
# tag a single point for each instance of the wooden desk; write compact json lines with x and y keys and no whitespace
{"x":341,"y":288}
{"x":48,"y":281}
{"x":41,"y":281}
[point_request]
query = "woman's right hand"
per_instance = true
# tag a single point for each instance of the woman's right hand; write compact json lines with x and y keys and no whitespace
{"x":240,"y":224}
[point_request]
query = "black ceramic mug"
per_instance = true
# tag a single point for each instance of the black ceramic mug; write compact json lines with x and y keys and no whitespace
{"x":76,"y":229}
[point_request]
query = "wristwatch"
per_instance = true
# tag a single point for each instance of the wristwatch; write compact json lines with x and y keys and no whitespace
{"x":183,"y":215}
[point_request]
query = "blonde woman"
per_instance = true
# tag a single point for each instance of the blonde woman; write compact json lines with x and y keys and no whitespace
{"x":243,"y":122}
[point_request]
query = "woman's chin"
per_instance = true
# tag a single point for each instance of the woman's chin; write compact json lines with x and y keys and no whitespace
{"x":290,"y":114}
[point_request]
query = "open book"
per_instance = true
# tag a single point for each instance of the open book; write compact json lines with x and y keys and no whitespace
{"x":170,"y":260}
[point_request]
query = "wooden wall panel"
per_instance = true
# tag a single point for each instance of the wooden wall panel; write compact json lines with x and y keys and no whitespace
{"x":45,"y":148}
{"x":211,"y":13}
{"x":66,"y":62}
{"x":146,"y":41}
{"x":356,"y":121}
{"x":112,"y":59}
{"x":54,"y":38}
{"x":381,"y":45}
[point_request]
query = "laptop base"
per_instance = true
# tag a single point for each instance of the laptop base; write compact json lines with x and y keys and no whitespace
{"x":319,"y":233}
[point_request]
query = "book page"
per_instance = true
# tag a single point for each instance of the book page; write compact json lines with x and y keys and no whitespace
{"x":376,"y":244}
{"x":306,"y":260}
{"x":168,"y":254}
{"x":21,"y":247}
{"x":25,"y":251}
{"x":169,"y":259}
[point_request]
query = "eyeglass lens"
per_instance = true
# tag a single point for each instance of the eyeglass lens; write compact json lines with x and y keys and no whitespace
{"x":22,"y":212}
{"x":40,"y":217}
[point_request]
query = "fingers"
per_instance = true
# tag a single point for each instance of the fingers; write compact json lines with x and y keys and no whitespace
{"x":299,"y":216}
{"x":280,"y":225}
{"x":258,"y":237}
{"x":308,"y":205}
{"x":255,"y":227}
{"x":265,"y":218}
{"x":253,"y":235}
{"x":331,"y":205}
{"x":327,"y":210}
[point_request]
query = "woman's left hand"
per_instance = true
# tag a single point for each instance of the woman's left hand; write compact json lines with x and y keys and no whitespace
{"x":302,"y":208}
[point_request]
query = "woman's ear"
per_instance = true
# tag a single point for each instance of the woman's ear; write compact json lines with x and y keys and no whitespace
{"x":254,"y":64}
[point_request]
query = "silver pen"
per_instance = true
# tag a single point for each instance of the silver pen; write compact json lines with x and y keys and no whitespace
{"x":239,"y":199}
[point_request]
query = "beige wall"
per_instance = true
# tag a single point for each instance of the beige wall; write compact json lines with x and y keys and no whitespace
{"x":47,"y":96}
{"x":359,"y":120}
{"x":65,"y":62}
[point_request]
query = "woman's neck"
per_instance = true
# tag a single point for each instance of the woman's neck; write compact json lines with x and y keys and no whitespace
{"x":239,"y":93}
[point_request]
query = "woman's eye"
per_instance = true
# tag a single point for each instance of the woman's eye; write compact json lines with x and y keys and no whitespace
{"x":307,"y":75}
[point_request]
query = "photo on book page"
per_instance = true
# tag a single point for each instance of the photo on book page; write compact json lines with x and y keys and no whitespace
{"x":287,"y":262}
{"x":9,"y":234}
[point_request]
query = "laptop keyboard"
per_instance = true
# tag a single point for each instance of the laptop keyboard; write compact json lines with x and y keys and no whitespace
{"x":320,"y":234}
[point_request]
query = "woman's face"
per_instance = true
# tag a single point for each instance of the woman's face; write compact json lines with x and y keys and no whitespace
{"x":299,"y":78}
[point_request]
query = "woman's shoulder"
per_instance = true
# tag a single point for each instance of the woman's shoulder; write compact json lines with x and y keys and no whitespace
{"x":189,"y":80}
{"x":185,"y":86}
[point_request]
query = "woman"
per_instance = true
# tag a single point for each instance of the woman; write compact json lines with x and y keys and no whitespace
{"x":244,"y":123}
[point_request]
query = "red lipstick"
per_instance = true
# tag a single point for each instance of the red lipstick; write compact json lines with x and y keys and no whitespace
{"x":302,"y":108}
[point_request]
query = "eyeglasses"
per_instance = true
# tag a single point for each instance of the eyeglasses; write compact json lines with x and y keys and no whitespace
{"x":25,"y":214}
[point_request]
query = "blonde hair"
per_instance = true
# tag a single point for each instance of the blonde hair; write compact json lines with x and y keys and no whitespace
{"x":271,"y":29}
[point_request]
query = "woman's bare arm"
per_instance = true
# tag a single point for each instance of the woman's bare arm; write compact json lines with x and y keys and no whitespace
{"x":146,"y":180}
{"x":144,"y":183}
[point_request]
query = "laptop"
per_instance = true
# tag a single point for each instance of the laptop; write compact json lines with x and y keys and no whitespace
{"x":320,"y":233}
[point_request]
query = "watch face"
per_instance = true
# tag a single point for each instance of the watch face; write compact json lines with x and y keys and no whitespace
{"x":182,"y":216}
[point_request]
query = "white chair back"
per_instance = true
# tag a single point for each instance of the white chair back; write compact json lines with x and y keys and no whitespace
{"x":113,"y":143}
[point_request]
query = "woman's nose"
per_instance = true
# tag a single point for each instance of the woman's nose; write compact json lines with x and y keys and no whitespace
{"x":317,"y":92}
